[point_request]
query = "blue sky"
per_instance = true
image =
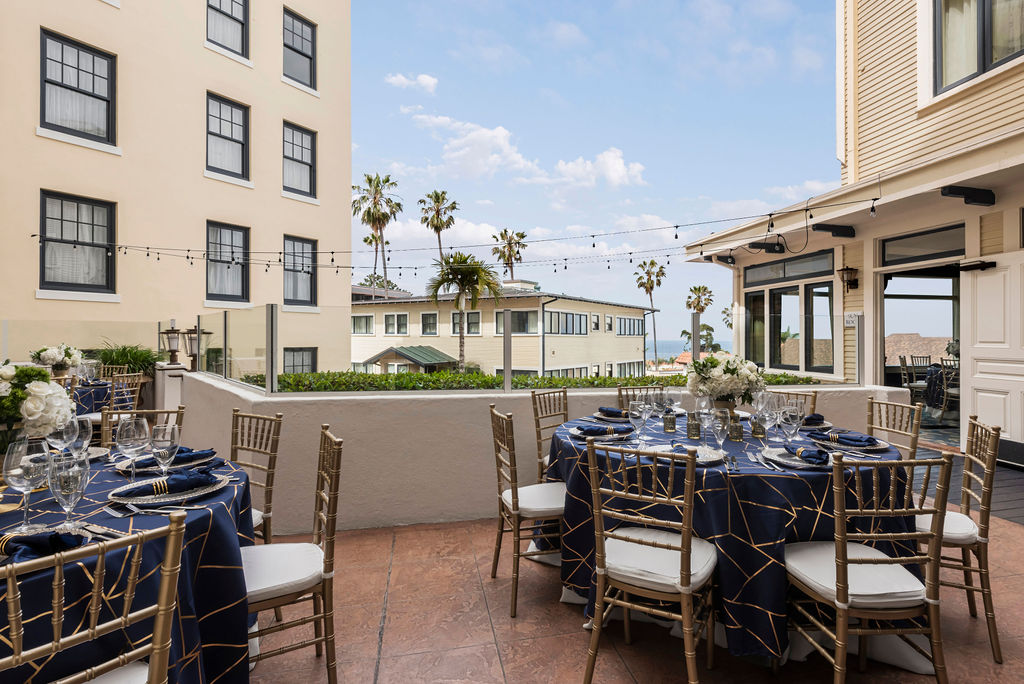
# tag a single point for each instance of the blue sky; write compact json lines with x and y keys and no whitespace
{"x":574,"y":118}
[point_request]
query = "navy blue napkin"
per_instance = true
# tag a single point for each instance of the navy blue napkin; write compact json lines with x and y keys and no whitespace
{"x":179,"y":481}
{"x":599,"y":430}
{"x":613,"y":412}
{"x":183,"y":457}
{"x":814,"y":419}
{"x":811,"y":455}
{"x":19,"y":548}
{"x":850,"y":439}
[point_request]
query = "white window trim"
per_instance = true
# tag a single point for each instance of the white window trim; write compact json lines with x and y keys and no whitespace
{"x":229,"y":54}
{"x":218,"y":304}
{"x":396,"y":333}
{"x":643,"y":325}
{"x":526,"y":334}
{"x":615,"y":366}
{"x":454,"y":333}
{"x":600,"y":322}
{"x":373,"y":325}
{"x":79,"y":296}
{"x":299,"y":308}
{"x":301,"y":86}
{"x":574,"y":313}
{"x":224,"y":178}
{"x":60,"y":136}
{"x":300,"y":198}
{"x":437,"y":324}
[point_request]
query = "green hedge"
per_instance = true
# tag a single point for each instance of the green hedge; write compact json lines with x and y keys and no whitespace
{"x":331,"y":381}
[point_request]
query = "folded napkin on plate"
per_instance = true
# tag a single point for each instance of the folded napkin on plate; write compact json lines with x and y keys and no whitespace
{"x":599,"y":430}
{"x":20,"y":548}
{"x":814,"y":419}
{"x":183,"y":457}
{"x":179,"y":481}
{"x":811,"y":455}
{"x":613,"y":412}
{"x":850,"y":439}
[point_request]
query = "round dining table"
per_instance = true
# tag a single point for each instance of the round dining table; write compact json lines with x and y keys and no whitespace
{"x":90,"y":396}
{"x":749,"y":513}
{"x":209,"y":633}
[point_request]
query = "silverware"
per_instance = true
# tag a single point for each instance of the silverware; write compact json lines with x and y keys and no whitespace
{"x":769,"y":464}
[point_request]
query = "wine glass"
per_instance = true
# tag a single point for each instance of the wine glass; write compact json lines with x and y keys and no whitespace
{"x":24,"y":470}
{"x":720,"y":419}
{"x":132,"y":439}
{"x":658,"y":401}
{"x":637,"y":419}
{"x":64,"y":435}
{"x":67,"y":476}
{"x":79,"y":446}
{"x":704,"y":405}
{"x":791,"y":418}
{"x":165,"y":445}
{"x":771,"y":417}
{"x":760,"y":400}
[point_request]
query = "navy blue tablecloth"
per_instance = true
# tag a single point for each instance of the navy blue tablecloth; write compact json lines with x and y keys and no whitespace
{"x":749,"y":515}
{"x":209,"y":637}
{"x":91,"y":397}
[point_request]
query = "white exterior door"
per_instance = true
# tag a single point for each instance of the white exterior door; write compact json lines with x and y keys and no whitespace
{"x":992,"y":346}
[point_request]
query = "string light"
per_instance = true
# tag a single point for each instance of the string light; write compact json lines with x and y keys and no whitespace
{"x":677,"y":232}
{"x":873,"y":212}
{"x":593,"y":241}
{"x":771,"y":222}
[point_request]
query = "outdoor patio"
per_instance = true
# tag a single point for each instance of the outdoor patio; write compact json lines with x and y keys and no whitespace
{"x":417,"y":603}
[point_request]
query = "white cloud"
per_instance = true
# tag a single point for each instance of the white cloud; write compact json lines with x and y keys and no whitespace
{"x":473,"y":151}
{"x":564,"y":35}
{"x":410,"y":109}
{"x":485,"y":202}
{"x":608,"y":166}
{"x":800,"y":192}
{"x":425,"y":82}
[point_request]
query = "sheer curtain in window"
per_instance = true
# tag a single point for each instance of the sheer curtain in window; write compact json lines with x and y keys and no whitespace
{"x":1007,"y":28}
{"x":224,"y":154}
{"x":959,"y":39}
{"x":75,"y":110}
{"x":296,"y":175}
{"x":298,"y":286}
{"x":81,"y":266}
{"x":223,"y":30}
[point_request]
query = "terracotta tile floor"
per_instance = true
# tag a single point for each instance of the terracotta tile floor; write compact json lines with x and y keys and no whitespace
{"x":417,"y":604}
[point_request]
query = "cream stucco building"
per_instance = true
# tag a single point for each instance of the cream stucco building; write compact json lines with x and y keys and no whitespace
{"x":552,"y":334}
{"x":930,"y":138}
{"x":174,"y":159}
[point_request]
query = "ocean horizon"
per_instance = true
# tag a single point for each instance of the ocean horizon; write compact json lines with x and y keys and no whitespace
{"x":673,"y":348}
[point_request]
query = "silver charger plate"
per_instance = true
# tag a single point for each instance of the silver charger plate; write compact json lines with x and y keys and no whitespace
{"x":222,"y":481}
{"x":98,"y":452}
{"x":706,"y":456}
{"x":575,"y":432}
{"x":788,"y":460}
{"x":125,"y":466}
{"x":825,"y":425}
{"x":610,"y":419}
{"x":881,"y":445}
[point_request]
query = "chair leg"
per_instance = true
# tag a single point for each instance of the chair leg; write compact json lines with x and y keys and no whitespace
{"x":318,"y":631}
{"x":986,"y":597}
{"x":515,"y":563}
{"x":862,"y":651}
{"x":842,"y":633}
{"x":689,"y":640}
{"x":709,"y":635}
{"x":969,"y":581}
{"x":497,"y":546}
{"x":938,"y":657}
{"x":627,"y":631}
{"x":328,"y":600}
{"x":595,"y":631}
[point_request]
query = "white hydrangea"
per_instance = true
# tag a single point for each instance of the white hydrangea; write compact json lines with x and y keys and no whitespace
{"x":7,"y":372}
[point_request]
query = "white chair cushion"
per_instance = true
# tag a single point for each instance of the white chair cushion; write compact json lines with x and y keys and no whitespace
{"x":957,"y":529}
{"x":538,"y":500}
{"x":257,"y":517}
{"x":94,"y":417}
{"x":654,"y":568}
{"x":871,"y":586}
{"x":132,"y":673}
{"x":280,"y":569}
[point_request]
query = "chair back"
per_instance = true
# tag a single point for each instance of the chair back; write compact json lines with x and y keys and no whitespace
{"x":649,"y":479}
{"x":108,"y":372}
{"x":69,"y":382}
{"x":103,"y":568}
{"x":807,"y":401}
{"x":124,"y":391}
{"x":907,"y":374}
{"x":254,"y":443}
{"x":634,"y":393}
{"x":921,"y":363}
{"x":550,"y":409}
{"x":896,"y":419}
{"x":884,"y":489}
{"x":325,"y":500}
{"x":979,"y":471}
{"x":950,"y":373}
{"x":505,"y":455}
{"x":109,"y":420}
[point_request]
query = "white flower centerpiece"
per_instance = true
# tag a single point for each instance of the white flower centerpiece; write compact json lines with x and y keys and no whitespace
{"x":59,"y":358}
{"x":30,"y":403}
{"x":725,"y":378}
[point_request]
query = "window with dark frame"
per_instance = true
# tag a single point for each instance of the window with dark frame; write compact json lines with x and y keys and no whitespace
{"x":77,"y":89}
{"x":227,"y":136}
{"x":595,"y":322}
{"x":783,"y":314}
{"x":299,"y":271}
{"x":362,"y":324}
{"x":76,"y":244}
{"x":299,"y":172}
{"x":794,"y":268}
{"x":818,"y":345}
{"x":227,"y":262}
{"x":975,"y":36}
{"x":754,"y":331}
{"x":428,"y":324}
{"x":299,"y":49}
{"x":299,"y":360}
{"x":523,"y":323}
{"x":396,"y":324}
{"x":227,"y":25}
{"x":472,"y":322}
{"x":925,"y":245}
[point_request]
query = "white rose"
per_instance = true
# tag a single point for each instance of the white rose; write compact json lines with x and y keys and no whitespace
{"x":32,"y":408}
{"x":5,"y":388}
{"x":7,"y":372}
{"x":38,"y":388}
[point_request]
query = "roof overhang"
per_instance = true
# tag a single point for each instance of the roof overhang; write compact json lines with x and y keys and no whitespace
{"x":421,"y":356}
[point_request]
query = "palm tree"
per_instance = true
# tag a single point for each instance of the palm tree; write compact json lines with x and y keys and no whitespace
{"x":470,"y":279}
{"x":376,"y":206}
{"x":509,"y":249}
{"x":698,"y":301}
{"x":372,"y":241}
{"x":707,"y":337}
{"x":648,"y":277}
{"x":727,"y":317}
{"x":438,"y":214}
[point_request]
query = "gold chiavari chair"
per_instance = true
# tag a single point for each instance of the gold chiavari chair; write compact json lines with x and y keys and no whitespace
{"x":962,"y":531}
{"x":634,"y":393}
{"x":254,"y":436}
{"x":920,"y":364}
{"x":807,"y":401}
{"x":872,"y":592}
{"x":637,"y":554}
{"x":908,"y":379}
{"x":950,"y":385}
{"x":108,"y":372}
{"x":279,"y":575}
{"x":550,"y":409}
{"x":521,"y":509}
{"x":896,"y":419}
{"x":109,"y":420}
{"x":124,"y":396}
{"x":128,"y":666}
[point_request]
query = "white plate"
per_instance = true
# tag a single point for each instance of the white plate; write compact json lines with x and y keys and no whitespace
{"x":706,"y":456}
{"x":125,"y":466}
{"x":882,"y":445}
{"x":97,"y":452}
{"x":610,"y":419}
{"x":222,"y":481}
{"x":825,"y":425}
{"x":784,"y":458}
{"x":575,"y":432}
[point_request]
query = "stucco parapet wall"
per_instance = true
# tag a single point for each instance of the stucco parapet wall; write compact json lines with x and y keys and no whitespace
{"x":411,"y":457}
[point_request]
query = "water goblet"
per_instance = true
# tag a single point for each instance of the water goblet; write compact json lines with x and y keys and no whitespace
{"x":132,"y":439}
{"x":24,"y":470}
{"x":79,"y":446}
{"x":637,"y":420}
{"x":791,"y":419}
{"x":165,"y":445}
{"x":720,"y":419}
{"x":68,"y":476}
{"x":772,"y":417}
{"x":64,"y":435}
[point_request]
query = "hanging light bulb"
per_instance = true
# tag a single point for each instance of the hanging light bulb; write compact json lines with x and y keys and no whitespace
{"x":332,"y":257}
{"x":873,"y":212}
{"x":593,"y":241}
{"x":810,"y":214}
{"x":158,"y":256}
{"x":147,"y":252}
{"x":771,"y":221}
{"x":565,"y":265}
{"x":609,"y":264}
{"x":630,"y":257}
{"x":677,"y":231}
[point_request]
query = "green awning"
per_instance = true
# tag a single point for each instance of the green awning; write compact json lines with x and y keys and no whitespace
{"x":421,"y":355}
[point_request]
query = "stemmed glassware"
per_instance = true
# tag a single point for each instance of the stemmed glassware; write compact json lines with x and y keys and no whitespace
{"x":703,"y":407}
{"x":791,"y":419}
{"x":79,"y":446}
{"x":720,"y":419}
{"x":771,"y":414}
{"x":132,"y":439}
{"x":64,"y":435}
{"x":24,"y":470}
{"x":637,"y":419}
{"x":165,"y":445}
{"x":68,"y":476}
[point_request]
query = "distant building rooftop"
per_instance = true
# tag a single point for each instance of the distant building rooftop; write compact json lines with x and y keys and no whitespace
{"x":362,"y":293}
